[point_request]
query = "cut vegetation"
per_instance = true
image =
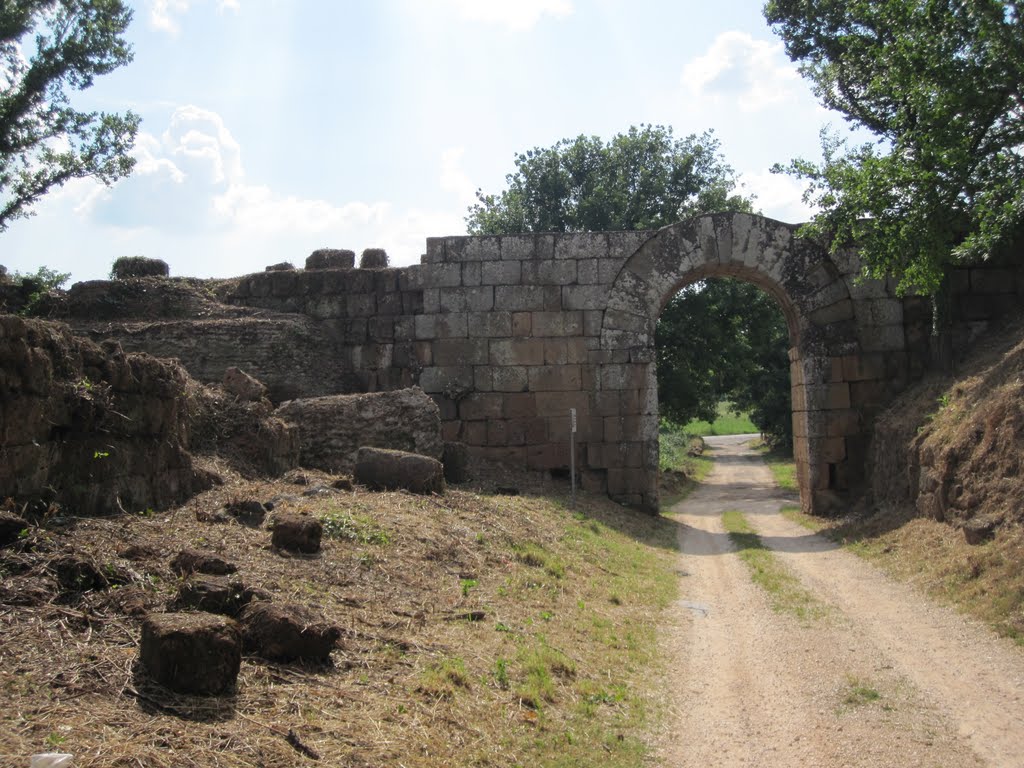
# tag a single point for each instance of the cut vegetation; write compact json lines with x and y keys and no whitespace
{"x":475,"y":630}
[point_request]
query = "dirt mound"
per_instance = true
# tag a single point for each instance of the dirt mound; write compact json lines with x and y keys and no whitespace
{"x":954,"y":446}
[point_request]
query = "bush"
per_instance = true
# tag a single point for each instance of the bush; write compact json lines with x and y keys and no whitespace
{"x":373,"y":258}
{"x":138,"y":266}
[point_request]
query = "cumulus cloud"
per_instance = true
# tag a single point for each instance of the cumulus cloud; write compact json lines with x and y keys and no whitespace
{"x":778,"y":196}
{"x":164,"y":14}
{"x":454,"y":178}
{"x":513,"y":14}
{"x":748,"y":73}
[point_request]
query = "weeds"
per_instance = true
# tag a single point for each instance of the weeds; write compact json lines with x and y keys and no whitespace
{"x":360,"y":529}
{"x":783,"y":588}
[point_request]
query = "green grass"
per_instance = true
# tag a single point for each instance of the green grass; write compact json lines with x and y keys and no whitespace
{"x":674,"y":446}
{"x":728,"y":422}
{"x":782,"y":465}
{"x":768,"y":572}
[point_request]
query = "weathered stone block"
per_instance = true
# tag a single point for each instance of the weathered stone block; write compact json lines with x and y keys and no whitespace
{"x":554,"y":377}
{"x":500,"y":273}
{"x":385,"y":469}
{"x":519,"y":298}
{"x":455,"y":352}
{"x":581,"y":245}
{"x":518,"y":247}
{"x":505,"y":352}
{"x":557,"y":323}
{"x":549,"y":272}
{"x":522,"y":324}
{"x":196,"y":653}
{"x":455,"y":379}
{"x":509,"y":379}
{"x":490,"y":324}
{"x":558,"y":403}
{"x":481,"y":405}
{"x":584,"y":297}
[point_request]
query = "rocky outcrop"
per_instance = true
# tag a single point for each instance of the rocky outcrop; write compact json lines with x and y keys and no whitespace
{"x":333,"y":429}
{"x":90,"y":427}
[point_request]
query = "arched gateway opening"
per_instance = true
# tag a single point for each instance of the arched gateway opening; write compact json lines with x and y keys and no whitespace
{"x":815,"y":300}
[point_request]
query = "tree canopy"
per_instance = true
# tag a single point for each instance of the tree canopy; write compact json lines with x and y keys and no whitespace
{"x":717,"y":339}
{"x":642,"y":179}
{"x":44,"y":141}
{"x":939,"y":82}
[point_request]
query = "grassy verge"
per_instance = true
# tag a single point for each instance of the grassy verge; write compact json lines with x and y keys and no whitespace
{"x":782,"y":465}
{"x":728,"y":422}
{"x":681,"y":460}
{"x":983,"y":581}
{"x":783,"y":588}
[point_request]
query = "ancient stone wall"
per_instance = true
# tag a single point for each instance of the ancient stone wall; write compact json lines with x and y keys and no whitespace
{"x":507,"y":334}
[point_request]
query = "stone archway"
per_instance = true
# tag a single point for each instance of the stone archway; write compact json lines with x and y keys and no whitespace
{"x":816,"y":302}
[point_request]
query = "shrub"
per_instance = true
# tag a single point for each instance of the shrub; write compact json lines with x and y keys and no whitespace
{"x":126,"y":267}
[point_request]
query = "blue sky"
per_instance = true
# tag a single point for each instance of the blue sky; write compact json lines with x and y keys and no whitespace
{"x":274,"y":127}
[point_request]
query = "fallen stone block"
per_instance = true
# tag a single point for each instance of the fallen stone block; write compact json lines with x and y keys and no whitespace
{"x":190,"y":561}
{"x":191,"y":652}
{"x":213,"y":594}
{"x":333,"y":428}
{"x":287,"y":632}
{"x":383,"y":469}
{"x":243,"y":386}
{"x":297,"y":533}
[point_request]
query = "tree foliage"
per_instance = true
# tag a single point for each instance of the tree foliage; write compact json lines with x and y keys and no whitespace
{"x":717,"y":339}
{"x":721,"y":340}
{"x":44,"y":141}
{"x":939,"y":82}
{"x":642,"y":179}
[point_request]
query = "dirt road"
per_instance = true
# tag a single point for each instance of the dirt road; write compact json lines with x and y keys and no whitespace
{"x":885,"y":678}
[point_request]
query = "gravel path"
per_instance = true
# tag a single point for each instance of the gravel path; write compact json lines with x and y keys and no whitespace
{"x":884,"y":679}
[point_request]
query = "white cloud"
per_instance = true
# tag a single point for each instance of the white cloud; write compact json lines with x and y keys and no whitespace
{"x":743,"y":72}
{"x":778,"y":196}
{"x":164,"y":14}
{"x":454,"y":179}
{"x":513,"y":14}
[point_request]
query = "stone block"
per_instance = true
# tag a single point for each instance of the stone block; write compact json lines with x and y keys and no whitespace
{"x":592,"y":320}
{"x":587,"y":271}
{"x":194,"y":653}
{"x":454,"y":379}
{"x":549,"y":272}
{"x":509,"y":379}
{"x":497,"y":433}
{"x":519,"y":247}
{"x":442,"y":275}
{"x":473,"y":432}
{"x":632,"y":376}
{"x":487,"y":248}
{"x":519,"y":298}
{"x":480,"y":406}
{"x":451,"y":325}
{"x":435,"y":250}
{"x":501,"y":273}
{"x":489,"y":324}
{"x":584,"y":297}
{"x":990,"y":281}
{"x":483,"y":379}
{"x":547,"y":456}
{"x":550,"y":404}
{"x":520,"y":405}
{"x":581,"y":245}
{"x":522,"y":324}
{"x":460,"y":352}
{"x":504,"y":352}
{"x":863,"y":367}
{"x":471,"y":273}
{"x":543,"y":378}
{"x":478,"y":299}
{"x":565,"y":351}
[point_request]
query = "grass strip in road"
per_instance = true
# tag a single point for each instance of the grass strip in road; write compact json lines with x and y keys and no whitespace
{"x":769,"y":573}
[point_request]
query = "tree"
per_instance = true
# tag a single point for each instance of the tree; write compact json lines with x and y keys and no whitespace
{"x":44,"y":142}
{"x":939,"y":82}
{"x":641,"y":179}
{"x":715,"y":338}
{"x":723,"y":339}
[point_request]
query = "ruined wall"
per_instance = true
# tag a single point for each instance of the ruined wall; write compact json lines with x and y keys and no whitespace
{"x":92,"y":428}
{"x":508,"y":333}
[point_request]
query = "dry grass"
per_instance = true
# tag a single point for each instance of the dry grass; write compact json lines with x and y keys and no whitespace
{"x":476,"y":630}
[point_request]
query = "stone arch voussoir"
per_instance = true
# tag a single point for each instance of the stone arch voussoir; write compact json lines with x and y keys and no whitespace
{"x":814,"y":297}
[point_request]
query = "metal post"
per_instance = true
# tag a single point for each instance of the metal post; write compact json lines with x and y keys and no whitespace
{"x":572,"y":452}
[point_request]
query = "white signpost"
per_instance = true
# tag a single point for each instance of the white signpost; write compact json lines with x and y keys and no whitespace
{"x":572,"y":452}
